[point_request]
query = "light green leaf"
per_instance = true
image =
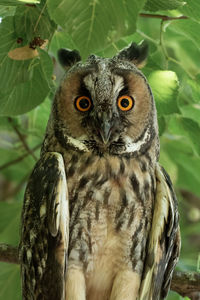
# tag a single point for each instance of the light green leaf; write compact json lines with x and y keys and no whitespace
{"x":10,"y":222}
{"x":37,"y":119}
{"x":18,"y":2}
{"x":188,"y":129}
{"x":165,"y":86}
{"x":92,"y":24}
{"x":191,"y":112}
{"x":10,"y":287}
{"x":154,"y":5}
{"x":6,"y":11}
{"x":191,"y":9}
{"x":189,"y":29}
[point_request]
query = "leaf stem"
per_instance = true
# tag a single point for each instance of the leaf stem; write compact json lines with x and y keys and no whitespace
{"x":162,"y":17}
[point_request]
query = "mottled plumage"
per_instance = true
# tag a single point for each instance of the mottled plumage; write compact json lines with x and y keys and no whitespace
{"x":100,"y":217}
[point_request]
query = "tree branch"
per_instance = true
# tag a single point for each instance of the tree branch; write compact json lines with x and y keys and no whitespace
{"x":162,"y":17}
{"x":9,"y":254}
{"x":184,"y":283}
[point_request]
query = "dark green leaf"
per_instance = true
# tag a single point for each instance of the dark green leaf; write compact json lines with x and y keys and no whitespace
{"x":154,"y":5}
{"x":10,"y":222}
{"x":33,"y":21}
{"x":186,"y":128}
{"x":6,"y":11}
{"x":92,"y":24}
{"x":10,"y":287}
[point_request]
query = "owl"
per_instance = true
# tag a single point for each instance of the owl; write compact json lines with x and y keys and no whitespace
{"x":100,"y":219}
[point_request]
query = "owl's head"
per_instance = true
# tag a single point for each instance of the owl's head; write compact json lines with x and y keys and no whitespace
{"x":105,"y":105}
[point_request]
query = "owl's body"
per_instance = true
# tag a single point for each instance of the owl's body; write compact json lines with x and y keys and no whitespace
{"x":104,"y":125}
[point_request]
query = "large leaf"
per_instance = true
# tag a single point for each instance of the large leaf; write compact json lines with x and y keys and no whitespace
{"x":191,"y":111}
{"x":165,"y":86}
{"x":92,"y":24}
{"x":186,"y":128}
{"x":27,"y":94}
{"x":155,"y":5}
{"x":179,"y":159}
{"x":10,"y":287}
{"x":10,"y":222}
{"x":18,"y":2}
{"x":26,"y":70}
{"x":6,"y":11}
{"x":29,"y":79}
{"x":188,"y":28}
{"x":33,"y":21}
{"x":191,"y":9}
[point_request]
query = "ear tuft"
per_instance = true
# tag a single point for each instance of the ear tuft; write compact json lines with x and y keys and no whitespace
{"x":67,"y":58}
{"x":134,"y":53}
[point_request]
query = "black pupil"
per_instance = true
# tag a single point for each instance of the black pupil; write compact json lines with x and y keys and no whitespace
{"x":84,"y":103}
{"x":125,"y":102}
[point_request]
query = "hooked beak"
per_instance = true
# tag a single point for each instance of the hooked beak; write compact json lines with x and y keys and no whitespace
{"x":104,"y":124}
{"x":105,"y":131}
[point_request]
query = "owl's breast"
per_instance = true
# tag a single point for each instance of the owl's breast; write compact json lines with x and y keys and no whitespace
{"x":110,"y":211}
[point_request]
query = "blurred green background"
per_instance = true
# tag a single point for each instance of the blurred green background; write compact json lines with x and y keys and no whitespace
{"x":29,"y":79}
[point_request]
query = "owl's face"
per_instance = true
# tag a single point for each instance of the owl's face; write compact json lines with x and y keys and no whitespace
{"x":106,"y":106}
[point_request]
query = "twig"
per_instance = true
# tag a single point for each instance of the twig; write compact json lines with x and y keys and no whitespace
{"x":9,"y":254}
{"x":15,"y":161}
{"x":162,"y":17}
{"x":22,"y":138}
{"x":184,"y":283}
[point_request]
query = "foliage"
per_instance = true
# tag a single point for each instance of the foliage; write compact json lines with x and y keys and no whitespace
{"x":29,"y":77}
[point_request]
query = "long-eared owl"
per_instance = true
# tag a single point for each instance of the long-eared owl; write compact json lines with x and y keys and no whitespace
{"x":100,"y":218}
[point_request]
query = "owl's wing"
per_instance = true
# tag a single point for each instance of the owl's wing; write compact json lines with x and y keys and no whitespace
{"x":45,"y":229}
{"x":164,"y":241}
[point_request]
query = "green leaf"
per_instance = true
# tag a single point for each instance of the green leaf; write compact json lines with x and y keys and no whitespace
{"x":186,"y":128}
{"x":165,"y":86}
{"x":30,"y":79}
{"x":61,"y":39}
{"x":92,"y":24}
{"x":191,"y":9}
{"x":18,"y":2}
{"x":191,"y":111}
{"x":38,"y":118}
{"x":188,"y":28}
{"x":154,"y":5}
{"x":10,"y":222}
{"x":26,"y":95}
{"x":10,"y":287}
{"x":6,"y":11}
{"x":33,"y":21}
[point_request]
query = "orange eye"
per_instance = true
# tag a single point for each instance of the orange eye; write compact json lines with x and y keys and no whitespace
{"x":83,"y":103}
{"x":125,"y":102}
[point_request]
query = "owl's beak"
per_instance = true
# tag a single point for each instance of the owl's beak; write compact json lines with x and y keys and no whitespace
{"x":105,"y":131}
